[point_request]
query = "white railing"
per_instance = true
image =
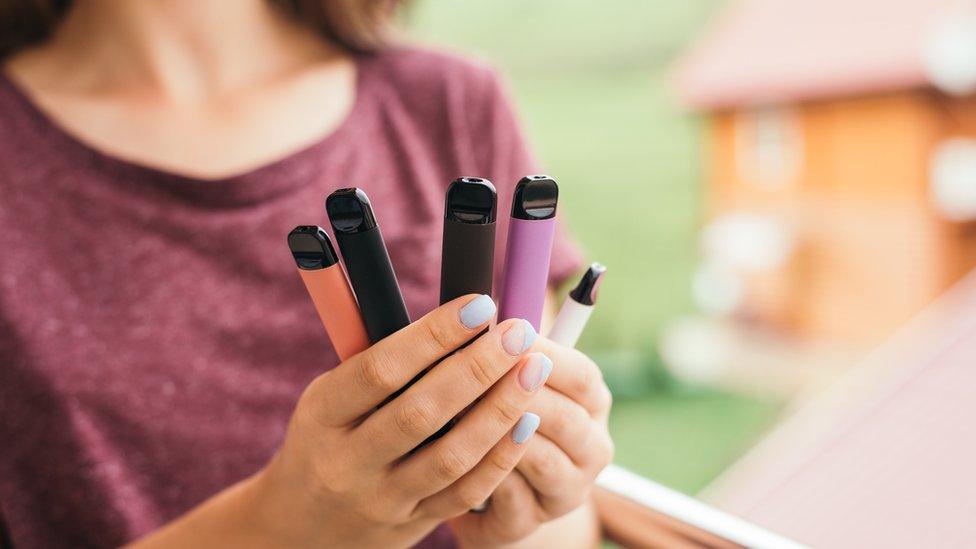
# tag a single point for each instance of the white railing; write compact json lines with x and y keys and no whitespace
{"x":671,"y":518}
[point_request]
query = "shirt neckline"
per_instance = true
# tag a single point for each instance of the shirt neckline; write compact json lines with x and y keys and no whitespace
{"x":278,"y":176}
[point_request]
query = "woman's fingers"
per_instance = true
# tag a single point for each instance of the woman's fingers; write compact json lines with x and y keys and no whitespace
{"x":579,"y":378}
{"x":450,"y":387}
{"x":438,"y":465}
{"x":512,"y":515}
{"x":570,"y":426}
{"x":474,"y":488}
{"x":559,"y":485}
{"x":364,"y":381}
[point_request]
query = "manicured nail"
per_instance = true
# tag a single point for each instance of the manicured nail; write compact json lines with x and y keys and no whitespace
{"x":518,"y":338}
{"x":525,"y":427}
{"x":535,"y":371}
{"x":478,"y":311}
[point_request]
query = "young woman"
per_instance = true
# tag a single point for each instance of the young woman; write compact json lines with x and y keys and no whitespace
{"x":161,"y":368}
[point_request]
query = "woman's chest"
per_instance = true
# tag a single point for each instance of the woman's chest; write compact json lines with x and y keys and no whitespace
{"x":142,"y":310}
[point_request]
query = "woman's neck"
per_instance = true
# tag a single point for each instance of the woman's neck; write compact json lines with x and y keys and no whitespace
{"x":207,"y":88}
{"x":180,"y":50}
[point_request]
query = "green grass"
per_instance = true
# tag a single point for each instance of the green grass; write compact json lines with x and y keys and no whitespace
{"x":685,"y":438}
{"x":591,"y":82}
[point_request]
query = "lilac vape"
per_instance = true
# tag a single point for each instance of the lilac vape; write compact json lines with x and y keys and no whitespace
{"x":530,"y":235}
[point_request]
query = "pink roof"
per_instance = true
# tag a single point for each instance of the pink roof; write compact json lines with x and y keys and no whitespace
{"x":886,"y":457}
{"x":768,"y":51}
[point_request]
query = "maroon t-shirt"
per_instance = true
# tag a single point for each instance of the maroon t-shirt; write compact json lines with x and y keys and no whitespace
{"x":154,"y":333}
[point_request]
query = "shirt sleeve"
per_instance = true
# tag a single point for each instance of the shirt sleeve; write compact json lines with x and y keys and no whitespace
{"x":502,"y":154}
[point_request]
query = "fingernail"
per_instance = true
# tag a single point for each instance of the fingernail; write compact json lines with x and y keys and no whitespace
{"x":535,"y":371}
{"x":518,"y":338}
{"x":478,"y":311}
{"x":525,"y":427}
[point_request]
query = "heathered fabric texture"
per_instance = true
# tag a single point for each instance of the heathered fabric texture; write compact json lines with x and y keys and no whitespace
{"x":154,"y":335}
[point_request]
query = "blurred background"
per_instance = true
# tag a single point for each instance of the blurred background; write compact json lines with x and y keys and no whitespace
{"x":780,"y":189}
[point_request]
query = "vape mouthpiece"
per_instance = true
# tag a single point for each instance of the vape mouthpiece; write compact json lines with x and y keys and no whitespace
{"x":585,"y":292}
{"x":349,"y":211}
{"x":471,"y":200}
{"x":311,"y":248}
{"x":535,"y":198}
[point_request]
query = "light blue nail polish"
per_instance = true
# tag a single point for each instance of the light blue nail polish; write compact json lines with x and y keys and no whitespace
{"x":525,"y":427}
{"x":530,"y":335}
{"x":478,"y":311}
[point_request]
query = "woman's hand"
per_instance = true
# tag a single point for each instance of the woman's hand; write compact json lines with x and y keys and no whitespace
{"x":350,"y":472}
{"x":558,"y":470}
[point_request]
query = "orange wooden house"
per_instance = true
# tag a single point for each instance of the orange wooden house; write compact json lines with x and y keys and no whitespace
{"x":841,"y":153}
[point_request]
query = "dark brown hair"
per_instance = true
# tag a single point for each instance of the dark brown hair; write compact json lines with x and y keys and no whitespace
{"x":357,"y":25}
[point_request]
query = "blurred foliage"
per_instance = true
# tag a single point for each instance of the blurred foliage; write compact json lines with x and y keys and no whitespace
{"x":591,"y":82}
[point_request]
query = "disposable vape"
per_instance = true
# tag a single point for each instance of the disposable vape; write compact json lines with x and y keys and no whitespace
{"x":578,"y":307}
{"x":367,"y":261}
{"x":468,"y":250}
{"x":530,"y":234}
{"x":327,"y":286}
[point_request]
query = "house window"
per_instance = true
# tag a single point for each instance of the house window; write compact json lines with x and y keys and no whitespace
{"x":952,"y":179}
{"x":768,"y":146}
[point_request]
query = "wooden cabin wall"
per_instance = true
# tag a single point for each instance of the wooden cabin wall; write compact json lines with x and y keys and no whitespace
{"x":870,"y":253}
{"x":957,"y":118}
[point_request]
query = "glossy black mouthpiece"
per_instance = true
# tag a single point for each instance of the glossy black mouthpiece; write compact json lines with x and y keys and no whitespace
{"x":349,"y":211}
{"x":535,"y":198}
{"x":585,"y":292}
{"x":311,"y":247}
{"x":471,"y":200}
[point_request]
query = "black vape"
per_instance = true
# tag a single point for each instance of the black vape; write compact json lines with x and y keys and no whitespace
{"x":367,"y":262}
{"x":468,"y":250}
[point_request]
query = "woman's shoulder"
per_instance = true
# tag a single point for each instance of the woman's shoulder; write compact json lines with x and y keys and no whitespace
{"x":423,"y":73}
{"x":416,"y":64}
{"x":457,"y":105}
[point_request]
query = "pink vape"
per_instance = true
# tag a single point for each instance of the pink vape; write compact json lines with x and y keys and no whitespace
{"x":530,"y":235}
